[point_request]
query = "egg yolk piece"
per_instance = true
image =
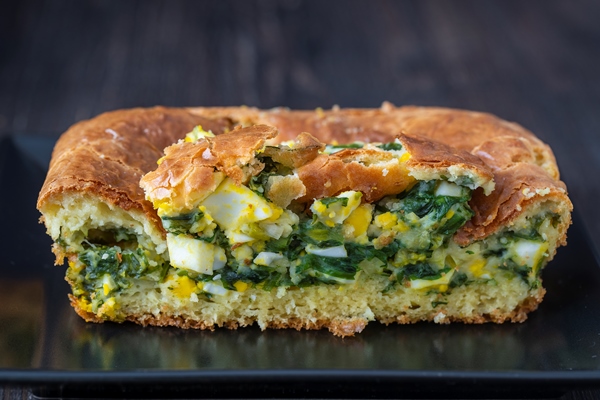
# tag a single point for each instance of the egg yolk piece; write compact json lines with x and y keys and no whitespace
{"x":232,"y":206}
{"x":336,"y":211}
{"x":359,"y":220}
{"x":441,"y":283}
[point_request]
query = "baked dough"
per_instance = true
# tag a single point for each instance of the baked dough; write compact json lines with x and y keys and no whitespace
{"x":99,"y":218}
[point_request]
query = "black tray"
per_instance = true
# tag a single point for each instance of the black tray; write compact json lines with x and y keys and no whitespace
{"x":45,"y":345}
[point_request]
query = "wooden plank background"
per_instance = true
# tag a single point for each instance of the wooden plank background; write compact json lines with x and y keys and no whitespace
{"x":535,"y":62}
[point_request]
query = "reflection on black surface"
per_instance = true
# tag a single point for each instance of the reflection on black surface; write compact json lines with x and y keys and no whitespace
{"x":416,"y":347}
{"x":21,"y":320}
{"x":22,"y":259}
{"x":44,"y":332}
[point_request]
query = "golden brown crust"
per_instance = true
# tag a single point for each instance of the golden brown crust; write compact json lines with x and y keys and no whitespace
{"x":372,"y":172}
{"x":186,"y":172}
{"x":305,"y":149}
{"x":504,"y":151}
{"x":499,"y":144}
{"x":517,"y":187}
{"x":107,"y":155}
{"x":185,"y":178}
{"x":460,"y":129}
{"x":238,"y":148}
{"x":429,"y":154}
{"x":282,"y":190}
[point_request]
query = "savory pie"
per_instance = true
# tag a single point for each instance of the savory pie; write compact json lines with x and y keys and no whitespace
{"x":303,"y":219}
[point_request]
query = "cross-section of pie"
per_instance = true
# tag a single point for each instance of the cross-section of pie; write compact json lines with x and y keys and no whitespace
{"x":325,"y":219}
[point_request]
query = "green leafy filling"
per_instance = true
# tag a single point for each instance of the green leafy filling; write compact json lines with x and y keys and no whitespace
{"x":522,"y":271}
{"x":420,"y":271}
{"x":309,"y":269}
{"x":332,"y":148}
{"x":390,"y":146}
{"x":181,"y":224}
{"x":422,"y":201}
{"x":305,"y":269}
{"x":331,"y":200}
{"x":122,"y":265}
{"x":258,"y":183}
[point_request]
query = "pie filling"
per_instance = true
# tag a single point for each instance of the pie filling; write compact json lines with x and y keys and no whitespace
{"x":237,"y":238}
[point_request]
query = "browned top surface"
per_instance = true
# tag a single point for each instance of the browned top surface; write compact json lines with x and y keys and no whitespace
{"x":503,"y":148}
{"x":460,"y":129}
{"x":186,"y":172}
{"x":184,"y":176}
{"x":108,"y":154}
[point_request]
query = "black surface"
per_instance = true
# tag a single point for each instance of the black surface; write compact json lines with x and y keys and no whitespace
{"x":45,"y":344}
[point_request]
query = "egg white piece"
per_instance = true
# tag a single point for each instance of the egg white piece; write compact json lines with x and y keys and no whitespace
{"x":336,"y":251}
{"x":214,"y":288}
{"x":448,"y":189}
{"x":528,"y":252}
{"x":195,"y":255}
{"x":267,"y":258}
{"x":273,"y":230}
{"x":231,"y":206}
{"x":336,"y":212}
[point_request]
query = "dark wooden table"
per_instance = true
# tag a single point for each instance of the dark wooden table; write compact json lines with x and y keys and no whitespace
{"x":534,"y":62}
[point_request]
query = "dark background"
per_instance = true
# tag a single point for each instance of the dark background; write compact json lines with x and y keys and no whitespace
{"x":533,"y":62}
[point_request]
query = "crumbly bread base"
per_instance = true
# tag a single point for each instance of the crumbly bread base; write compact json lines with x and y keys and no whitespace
{"x":344,"y":311}
{"x":74,"y":214}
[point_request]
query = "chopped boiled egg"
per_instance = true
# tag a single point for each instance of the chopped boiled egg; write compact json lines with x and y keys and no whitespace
{"x":238,"y":237}
{"x":242,"y":253}
{"x":273,"y":230}
{"x":335,"y":251}
{"x":448,"y":189}
{"x":528,"y":252}
{"x":267,"y":258}
{"x":232,"y":207}
{"x":477,"y":269}
{"x":405,"y":157}
{"x":360,"y":219}
{"x":184,"y":287}
{"x":241,"y":286}
{"x":214,"y":288}
{"x":198,"y":133}
{"x":441,"y":283}
{"x":196,"y":255}
{"x":335,"y":210}
{"x":108,"y":284}
{"x":386,"y":220}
